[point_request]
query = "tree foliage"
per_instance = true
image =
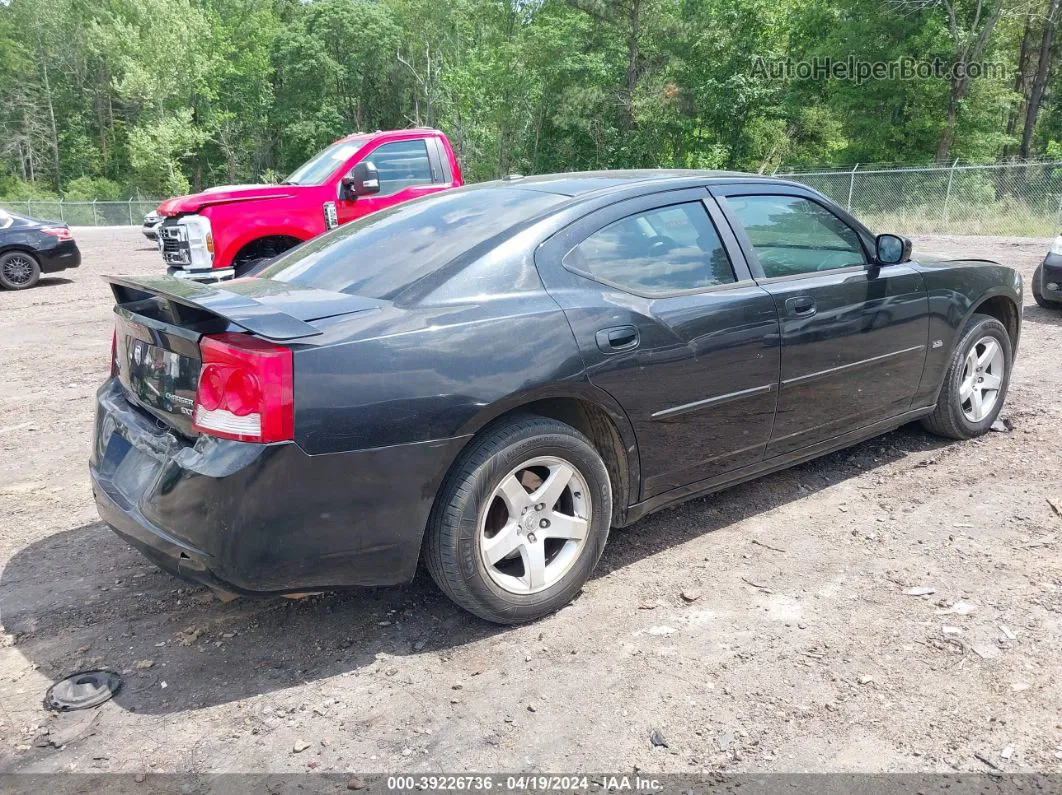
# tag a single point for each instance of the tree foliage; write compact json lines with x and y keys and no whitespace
{"x":158,"y":97}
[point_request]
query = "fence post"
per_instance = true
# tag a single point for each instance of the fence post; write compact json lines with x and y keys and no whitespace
{"x":61,"y":216}
{"x":947,"y":196}
{"x":1058,"y":215}
{"x":130,"y":212}
{"x":95,"y":222}
{"x":851,"y":187}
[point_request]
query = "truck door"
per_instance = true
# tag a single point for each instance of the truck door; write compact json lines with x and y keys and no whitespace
{"x":407,"y":169}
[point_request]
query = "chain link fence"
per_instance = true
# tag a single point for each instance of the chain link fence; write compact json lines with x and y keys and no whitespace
{"x":1013,"y":199}
{"x":93,"y":213}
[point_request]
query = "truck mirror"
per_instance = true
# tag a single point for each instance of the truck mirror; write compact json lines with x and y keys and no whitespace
{"x":363,"y":180}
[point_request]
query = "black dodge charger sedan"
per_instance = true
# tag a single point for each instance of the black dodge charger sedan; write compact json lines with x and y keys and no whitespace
{"x":492,"y":377}
{"x":29,"y":247}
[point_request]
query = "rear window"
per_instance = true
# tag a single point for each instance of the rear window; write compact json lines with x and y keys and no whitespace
{"x":382,"y":254}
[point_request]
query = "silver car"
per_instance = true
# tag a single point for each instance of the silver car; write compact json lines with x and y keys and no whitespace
{"x":151,"y":225}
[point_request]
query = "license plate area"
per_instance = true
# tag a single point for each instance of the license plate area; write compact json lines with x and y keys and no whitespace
{"x":159,"y":371}
{"x":128,"y":471}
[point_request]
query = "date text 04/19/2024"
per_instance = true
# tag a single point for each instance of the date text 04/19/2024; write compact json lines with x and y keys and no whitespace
{"x":522,"y":783}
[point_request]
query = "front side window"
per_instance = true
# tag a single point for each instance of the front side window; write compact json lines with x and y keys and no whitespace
{"x":401,"y":164}
{"x":792,"y":235}
{"x":665,"y":250}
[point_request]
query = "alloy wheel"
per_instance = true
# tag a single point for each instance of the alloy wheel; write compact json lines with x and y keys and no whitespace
{"x":18,"y":270}
{"x":982,"y":376}
{"x":535,"y":524}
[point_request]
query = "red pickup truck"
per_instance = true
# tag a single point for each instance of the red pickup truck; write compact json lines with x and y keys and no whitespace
{"x":224,"y":232}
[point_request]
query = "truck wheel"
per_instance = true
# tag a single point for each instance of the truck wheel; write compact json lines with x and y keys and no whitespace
{"x":521,"y":521}
{"x":261,"y":251}
{"x":975,"y":385}
{"x":19,"y":270}
{"x":1038,"y":293}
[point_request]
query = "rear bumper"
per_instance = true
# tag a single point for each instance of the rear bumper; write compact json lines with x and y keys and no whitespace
{"x":59,"y":257}
{"x":153,"y":542}
{"x":259,"y":519}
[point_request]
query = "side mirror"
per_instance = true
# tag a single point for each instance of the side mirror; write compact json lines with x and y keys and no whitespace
{"x":364,"y":180}
{"x":892,"y":249}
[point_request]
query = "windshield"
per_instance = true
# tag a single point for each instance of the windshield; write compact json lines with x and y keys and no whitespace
{"x":384,"y":253}
{"x":319,"y":167}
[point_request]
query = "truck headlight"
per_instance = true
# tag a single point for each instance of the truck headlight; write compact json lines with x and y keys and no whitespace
{"x":200,"y":241}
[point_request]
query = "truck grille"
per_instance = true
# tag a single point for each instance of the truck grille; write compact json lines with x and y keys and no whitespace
{"x":174,"y":247}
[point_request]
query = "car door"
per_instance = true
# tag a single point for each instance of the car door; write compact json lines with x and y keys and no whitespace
{"x":670,"y":323}
{"x":407,"y":169}
{"x":853,"y":334}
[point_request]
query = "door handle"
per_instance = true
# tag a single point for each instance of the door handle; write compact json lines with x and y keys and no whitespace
{"x":617,"y":338}
{"x":800,"y":305}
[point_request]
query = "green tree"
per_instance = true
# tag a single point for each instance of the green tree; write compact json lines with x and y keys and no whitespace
{"x":165,"y":96}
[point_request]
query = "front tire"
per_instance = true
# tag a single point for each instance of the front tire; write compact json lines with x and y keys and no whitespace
{"x":1037,"y":291}
{"x":19,"y":270}
{"x":976,"y":382}
{"x":521,"y":521}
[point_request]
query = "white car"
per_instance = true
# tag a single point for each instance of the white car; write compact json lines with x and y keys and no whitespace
{"x":1047,"y":278}
{"x":151,"y":225}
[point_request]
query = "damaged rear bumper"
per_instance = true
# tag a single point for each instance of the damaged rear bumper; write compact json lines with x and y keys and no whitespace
{"x":262,"y":519}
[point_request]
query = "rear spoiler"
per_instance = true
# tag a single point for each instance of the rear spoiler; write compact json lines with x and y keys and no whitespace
{"x":247,"y":313}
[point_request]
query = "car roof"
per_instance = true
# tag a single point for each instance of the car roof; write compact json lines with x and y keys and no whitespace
{"x":585,"y":183}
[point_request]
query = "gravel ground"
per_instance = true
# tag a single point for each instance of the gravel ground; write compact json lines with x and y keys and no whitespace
{"x":797,"y":649}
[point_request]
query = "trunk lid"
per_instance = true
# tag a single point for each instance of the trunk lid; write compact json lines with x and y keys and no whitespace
{"x":159,"y":322}
{"x":158,"y":367}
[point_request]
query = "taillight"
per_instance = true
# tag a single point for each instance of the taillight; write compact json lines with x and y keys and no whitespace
{"x":246,"y":389}
{"x":114,"y":354}
{"x":60,"y":232}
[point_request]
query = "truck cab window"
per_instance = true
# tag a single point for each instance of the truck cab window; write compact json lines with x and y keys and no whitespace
{"x":401,"y":164}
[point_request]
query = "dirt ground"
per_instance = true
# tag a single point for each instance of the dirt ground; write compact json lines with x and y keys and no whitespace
{"x":801,"y":653}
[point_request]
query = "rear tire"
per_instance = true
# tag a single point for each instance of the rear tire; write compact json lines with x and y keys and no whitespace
{"x":1037,"y":291}
{"x":19,"y":270}
{"x":494,"y":545}
{"x":968,"y":404}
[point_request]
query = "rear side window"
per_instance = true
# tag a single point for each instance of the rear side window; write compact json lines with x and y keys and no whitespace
{"x":401,"y":164}
{"x":382,"y":254}
{"x":659,"y":251}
